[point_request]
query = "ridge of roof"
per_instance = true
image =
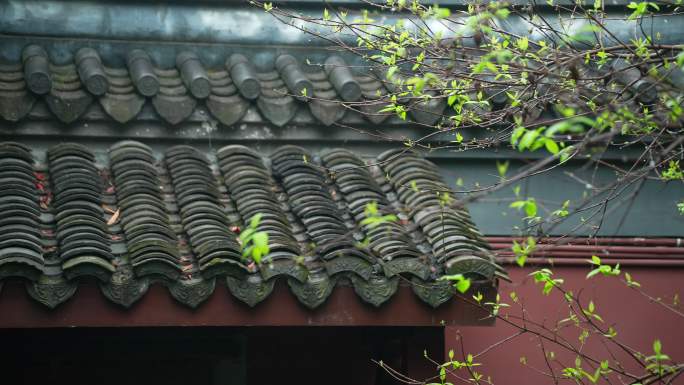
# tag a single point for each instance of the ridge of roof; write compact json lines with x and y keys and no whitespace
{"x":129,"y":220}
{"x":227,"y":92}
{"x":236,"y":92}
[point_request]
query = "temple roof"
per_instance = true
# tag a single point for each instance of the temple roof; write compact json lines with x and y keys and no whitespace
{"x":230,"y":93}
{"x":269,"y":87}
{"x":130,"y":217}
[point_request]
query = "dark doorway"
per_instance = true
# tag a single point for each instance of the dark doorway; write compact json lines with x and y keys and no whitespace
{"x":221,"y":356}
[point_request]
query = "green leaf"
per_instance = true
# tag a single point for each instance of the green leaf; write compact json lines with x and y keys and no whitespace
{"x":565,"y":154}
{"x":527,"y":140}
{"x":630,"y":281}
{"x":256,"y":255}
{"x":246,"y":235}
{"x":514,"y":296}
{"x":517,"y":133}
{"x":451,"y":277}
{"x":502,"y":13}
{"x":592,"y":273}
{"x":463,"y":285}
{"x":261,"y":248}
{"x":521,"y":259}
{"x":531,"y":208}
{"x":538,"y":143}
{"x":517,"y":204}
{"x":548,"y":286}
{"x":389,"y":218}
{"x":442,"y":13}
{"x":551,"y":146}
{"x":612,"y":333}
{"x":557,"y":128}
{"x":502,"y":168}
{"x":418,"y":84}
{"x":563,"y":211}
{"x":657,"y":347}
{"x":478,"y":297}
{"x":391,"y":71}
{"x":568,"y":296}
{"x":388,"y":108}
{"x":254,"y":222}
{"x":260,"y":240}
{"x":371,"y":208}
{"x":680,"y":60}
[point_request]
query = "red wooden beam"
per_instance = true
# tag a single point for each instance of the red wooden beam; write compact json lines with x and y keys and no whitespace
{"x":89,"y":308}
{"x":634,"y":241}
{"x":647,"y":252}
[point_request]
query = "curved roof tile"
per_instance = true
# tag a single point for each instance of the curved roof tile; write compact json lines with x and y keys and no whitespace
{"x":130,"y":218}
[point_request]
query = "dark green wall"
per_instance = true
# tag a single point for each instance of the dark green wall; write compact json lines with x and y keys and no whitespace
{"x":651,"y":213}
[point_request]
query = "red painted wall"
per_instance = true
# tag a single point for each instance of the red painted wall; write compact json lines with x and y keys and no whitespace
{"x":637,"y":321}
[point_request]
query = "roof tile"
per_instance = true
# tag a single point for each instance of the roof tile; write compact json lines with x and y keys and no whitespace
{"x":172,"y":102}
{"x":121,"y":102}
{"x":175,"y":93}
{"x":67,"y":99}
{"x":274,"y":102}
{"x":224,"y":102}
{"x":21,"y":250}
{"x":140,"y":218}
{"x":15,"y":100}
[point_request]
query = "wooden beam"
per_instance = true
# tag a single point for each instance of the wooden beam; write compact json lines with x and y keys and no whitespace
{"x":89,"y":308}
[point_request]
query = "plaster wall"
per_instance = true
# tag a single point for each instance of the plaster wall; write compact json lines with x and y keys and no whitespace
{"x":637,"y":321}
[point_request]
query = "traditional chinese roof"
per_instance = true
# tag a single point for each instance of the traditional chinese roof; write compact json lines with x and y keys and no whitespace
{"x":130,"y":217}
{"x":235,"y":91}
{"x":280,"y":90}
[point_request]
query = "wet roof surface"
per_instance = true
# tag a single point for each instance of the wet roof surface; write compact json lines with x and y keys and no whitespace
{"x":131,"y":217}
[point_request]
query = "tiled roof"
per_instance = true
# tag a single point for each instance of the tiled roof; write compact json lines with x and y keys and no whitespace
{"x":325,"y":92}
{"x":227,"y":92}
{"x":130,"y":218}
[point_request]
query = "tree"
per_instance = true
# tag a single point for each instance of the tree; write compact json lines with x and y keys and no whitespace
{"x":568,"y":82}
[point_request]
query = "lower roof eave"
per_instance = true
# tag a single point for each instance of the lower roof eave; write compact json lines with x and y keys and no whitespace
{"x":158,"y":309}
